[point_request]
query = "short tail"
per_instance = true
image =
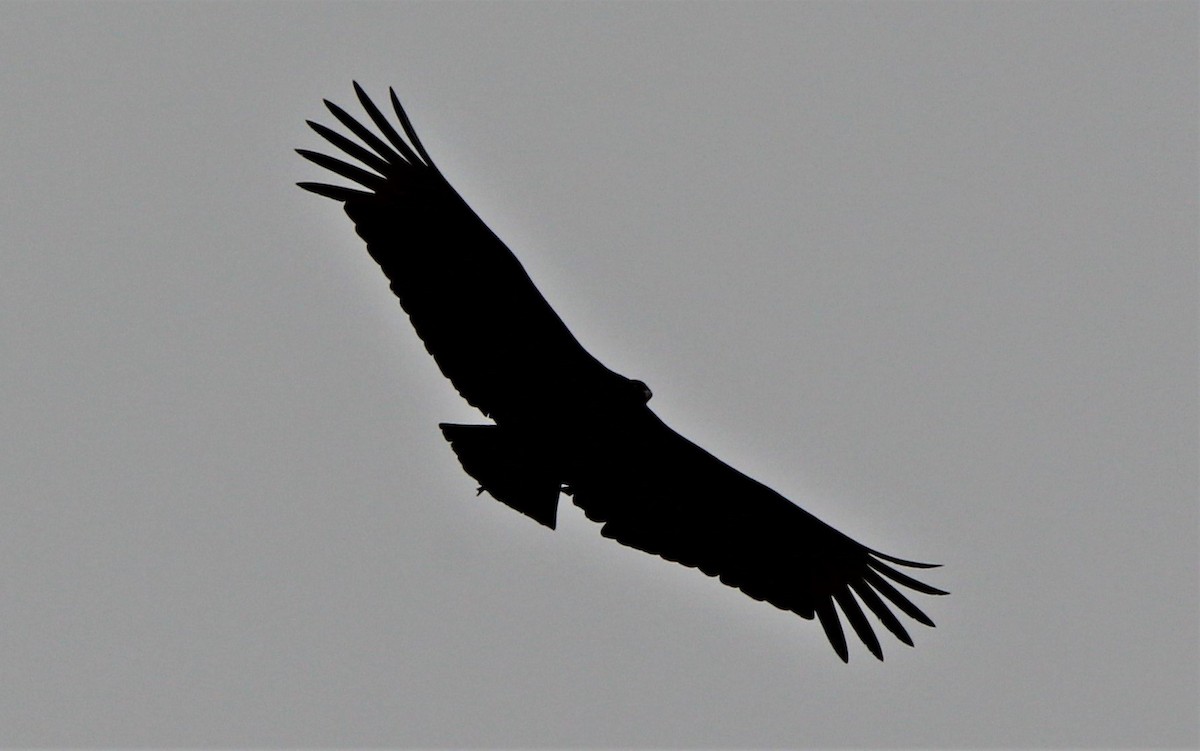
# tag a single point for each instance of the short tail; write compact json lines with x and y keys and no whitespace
{"x":506,"y":470}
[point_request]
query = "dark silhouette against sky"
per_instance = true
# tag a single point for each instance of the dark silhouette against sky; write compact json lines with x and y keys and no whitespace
{"x":928,"y":270}
{"x":565,"y":423}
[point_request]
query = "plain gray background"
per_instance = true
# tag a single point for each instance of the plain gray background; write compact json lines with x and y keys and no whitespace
{"x":928,"y":269}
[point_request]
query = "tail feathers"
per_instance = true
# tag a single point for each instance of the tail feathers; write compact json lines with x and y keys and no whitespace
{"x":506,"y":471}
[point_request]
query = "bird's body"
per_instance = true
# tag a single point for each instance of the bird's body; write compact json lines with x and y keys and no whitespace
{"x":565,"y":423}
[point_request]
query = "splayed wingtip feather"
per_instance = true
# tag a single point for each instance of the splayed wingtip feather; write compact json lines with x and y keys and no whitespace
{"x":881,"y":611}
{"x":902,"y":561}
{"x":897,"y":599}
{"x":858,"y":621}
{"x":385,"y":127}
{"x":348,"y":171}
{"x":351,"y":148}
{"x":369,"y":138}
{"x":335,"y":192}
{"x":833,"y":628}
{"x":904,"y":579}
{"x":409,"y":130}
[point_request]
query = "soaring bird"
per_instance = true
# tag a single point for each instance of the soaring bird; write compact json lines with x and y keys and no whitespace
{"x":563,"y":423}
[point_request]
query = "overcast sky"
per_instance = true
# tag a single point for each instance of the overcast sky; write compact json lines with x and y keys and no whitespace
{"x":929,"y":270}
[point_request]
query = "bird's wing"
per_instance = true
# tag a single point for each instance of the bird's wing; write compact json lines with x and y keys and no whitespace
{"x":661,"y":493}
{"x":473,"y":305}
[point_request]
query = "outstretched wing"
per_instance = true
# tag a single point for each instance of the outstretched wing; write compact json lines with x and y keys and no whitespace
{"x":473,"y":305}
{"x":661,"y":493}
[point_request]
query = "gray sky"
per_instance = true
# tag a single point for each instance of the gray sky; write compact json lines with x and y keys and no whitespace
{"x":927,"y":269}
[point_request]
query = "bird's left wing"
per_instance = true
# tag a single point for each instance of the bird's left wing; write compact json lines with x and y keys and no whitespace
{"x":475,"y":308}
{"x":661,"y":493}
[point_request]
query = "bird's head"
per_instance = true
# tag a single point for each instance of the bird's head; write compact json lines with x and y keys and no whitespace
{"x":642,"y":390}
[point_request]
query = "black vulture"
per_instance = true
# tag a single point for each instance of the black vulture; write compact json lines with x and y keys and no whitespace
{"x":564,"y":423}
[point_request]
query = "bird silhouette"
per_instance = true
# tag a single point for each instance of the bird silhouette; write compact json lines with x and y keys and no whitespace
{"x":563,"y":423}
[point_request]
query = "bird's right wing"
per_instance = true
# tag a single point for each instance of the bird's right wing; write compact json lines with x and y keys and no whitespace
{"x":661,"y":493}
{"x":469,"y":299}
